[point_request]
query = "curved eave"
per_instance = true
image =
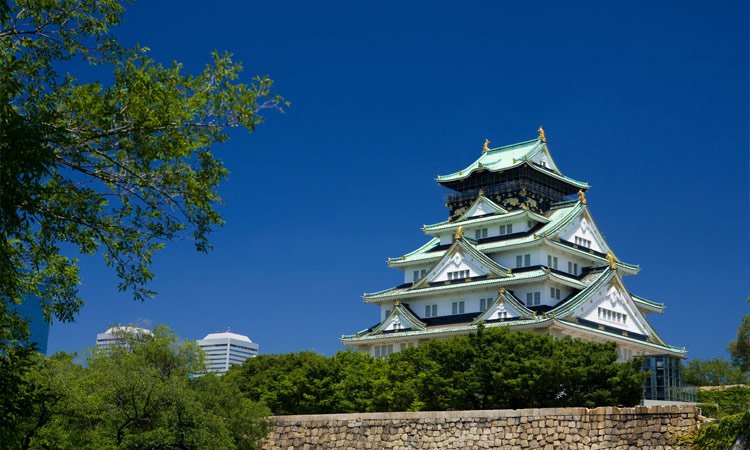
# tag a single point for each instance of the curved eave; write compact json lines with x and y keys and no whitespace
{"x":465,"y":173}
{"x":434,"y":242}
{"x":485,"y":220}
{"x":647,"y":305}
{"x":444,"y":331}
{"x":627,"y":268}
{"x":674,"y":351}
{"x":514,"y":279}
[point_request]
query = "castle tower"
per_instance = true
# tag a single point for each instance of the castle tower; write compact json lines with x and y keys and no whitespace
{"x":520,"y":249}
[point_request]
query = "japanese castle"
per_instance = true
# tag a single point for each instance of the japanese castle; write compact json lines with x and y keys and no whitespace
{"x":520,"y":249}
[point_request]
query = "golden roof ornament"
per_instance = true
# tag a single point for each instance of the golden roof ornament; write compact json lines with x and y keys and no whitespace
{"x":502,"y":290}
{"x":541,"y":135}
{"x":459,"y":233}
{"x":481,"y":192}
{"x":486,"y":146}
{"x":397,"y":303}
{"x":611,"y":259}
{"x":582,"y":196}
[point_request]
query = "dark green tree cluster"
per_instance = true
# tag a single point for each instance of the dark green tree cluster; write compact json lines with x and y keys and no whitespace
{"x":491,"y":369}
{"x":139,"y":396}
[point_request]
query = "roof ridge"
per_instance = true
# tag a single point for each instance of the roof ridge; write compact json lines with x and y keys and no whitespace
{"x":509,"y":146}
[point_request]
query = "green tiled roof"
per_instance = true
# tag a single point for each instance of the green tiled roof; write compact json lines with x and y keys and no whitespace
{"x":508,"y":157}
{"x":515,"y":278}
{"x":648,"y":304}
{"x":557,"y":220}
{"x":484,"y":220}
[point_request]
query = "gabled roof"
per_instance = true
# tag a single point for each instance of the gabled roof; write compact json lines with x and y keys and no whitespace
{"x":555,"y":220}
{"x":508,"y":157}
{"x":504,"y":296}
{"x":516,"y":278}
{"x":558,"y":219}
{"x":483,"y":201}
{"x":462,"y":246}
{"x":646,"y":305}
{"x":404,"y":316}
{"x":566,"y":310}
{"x":483,"y":220}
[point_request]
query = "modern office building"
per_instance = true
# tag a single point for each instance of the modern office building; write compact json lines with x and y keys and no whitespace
{"x":520,"y":249}
{"x":31,"y":311}
{"x":118,"y":335}
{"x":226,"y":349}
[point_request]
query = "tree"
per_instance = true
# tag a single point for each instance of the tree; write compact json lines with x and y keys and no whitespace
{"x":137,"y":396}
{"x":118,"y":168}
{"x":492,"y":369}
{"x":740,"y":347}
{"x":712,"y":372}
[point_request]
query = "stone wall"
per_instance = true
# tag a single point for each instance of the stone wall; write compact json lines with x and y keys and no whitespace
{"x":654,"y":427}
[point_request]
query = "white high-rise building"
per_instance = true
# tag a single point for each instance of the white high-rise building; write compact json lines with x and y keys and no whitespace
{"x":117,"y":335}
{"x":226,"y":349}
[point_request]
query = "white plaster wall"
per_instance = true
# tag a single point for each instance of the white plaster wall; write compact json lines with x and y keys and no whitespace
{"x":458,"y":262}
{"x":445,"y":302}
{"x":541,"y":156}
{"x":604,"y":298}
{"x":575,"y":228}
{"x":409,"y":272}
{"x":508,"y":258}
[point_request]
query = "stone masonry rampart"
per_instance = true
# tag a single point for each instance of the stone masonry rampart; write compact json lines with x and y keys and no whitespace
{"x":641,"y":427}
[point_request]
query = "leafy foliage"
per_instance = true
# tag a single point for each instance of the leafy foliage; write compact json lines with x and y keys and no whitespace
{"x":134,"y":397}
{"x":726,"y":401}
{"x":117,"y":168}
{"x":723,"y":434}
{"x":740,"y":347}
{"x":494,"y":368}
{"x":712,"y":372}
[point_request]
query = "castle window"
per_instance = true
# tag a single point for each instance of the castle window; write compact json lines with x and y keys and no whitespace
{"x":583,"y":242}
{"x":484,"y":303}
{"x":458,"y":307}
{"x":387,"y":313}
{"x":533,"y":298}
{"x":481,"y":233}
{"x":554,"y":293}
{"x":526,"y":260}
{"x":552,"y":261}
{"x":458,"y":274}
{"x":416,"y":275}
{"x":430,"y":310}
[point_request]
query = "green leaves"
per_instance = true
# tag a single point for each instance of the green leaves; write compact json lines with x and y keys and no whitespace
{"x":493,"y":369}
{"x":134,"y":397}
{"x":118,"y":169}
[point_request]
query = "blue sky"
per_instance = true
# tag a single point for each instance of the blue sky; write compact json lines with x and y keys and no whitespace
{"x":646,"y":101}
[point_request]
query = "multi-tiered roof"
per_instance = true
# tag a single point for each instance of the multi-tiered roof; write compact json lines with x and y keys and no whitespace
{"x":520,"y":249}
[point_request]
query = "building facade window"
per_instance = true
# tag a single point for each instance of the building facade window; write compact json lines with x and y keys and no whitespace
{"x":430,"y":310}
{"x":582,"y":242}
{"x":480,"y":233}
{"x":552,"y":261}
{"x":554,"y":293}
{"x":573,"y":268}
{"x":612,"y":316}
{"x":458,"y":274}
{"x":484,"y":303}
{"x":383,"y":350}
{"x":533,"y":298}
{"x":458,"y":307}
{"x":523,"y":260}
